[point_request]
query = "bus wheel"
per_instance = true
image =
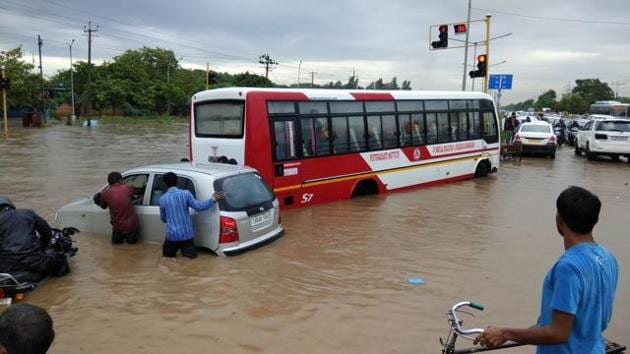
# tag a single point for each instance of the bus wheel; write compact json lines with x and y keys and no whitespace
{"x":483,"y":168}
{"x":365,"y":187}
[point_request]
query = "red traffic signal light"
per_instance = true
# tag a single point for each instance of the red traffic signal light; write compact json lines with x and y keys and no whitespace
{"x":482,"y":67}
{"x":460,"y":28}
{"x":443,"y":36}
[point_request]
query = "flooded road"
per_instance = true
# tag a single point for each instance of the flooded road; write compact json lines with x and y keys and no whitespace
{"x":337,"y":281}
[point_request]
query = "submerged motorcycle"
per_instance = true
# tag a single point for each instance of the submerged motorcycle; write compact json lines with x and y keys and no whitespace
{"x":14,"y":285}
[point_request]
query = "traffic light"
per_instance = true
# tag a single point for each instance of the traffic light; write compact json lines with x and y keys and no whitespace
{"x":482,"y":65}
{"x":5,"y":84}
{"x":443,"y":36}
{"x":460,"y":28}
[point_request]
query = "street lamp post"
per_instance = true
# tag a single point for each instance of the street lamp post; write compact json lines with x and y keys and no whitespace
{"x":73,"y":117}
{"x":299,"y":69}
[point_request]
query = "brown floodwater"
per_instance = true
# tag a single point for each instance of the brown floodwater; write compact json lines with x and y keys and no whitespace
{"x":337,"y":281}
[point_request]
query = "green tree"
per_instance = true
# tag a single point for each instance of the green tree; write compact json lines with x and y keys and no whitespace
{"x":546,"y":100}
{"x":573,"y":103}
{"x":353,"y":82}
{"x":592,"y":90}
{"x":25,"y":85}
{"x":250,"y":80}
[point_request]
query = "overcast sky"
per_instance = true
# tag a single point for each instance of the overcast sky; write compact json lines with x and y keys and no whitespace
{"x":552,"y":42}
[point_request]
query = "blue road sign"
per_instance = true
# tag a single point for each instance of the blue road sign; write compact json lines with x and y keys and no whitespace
{"x":500,"y":82}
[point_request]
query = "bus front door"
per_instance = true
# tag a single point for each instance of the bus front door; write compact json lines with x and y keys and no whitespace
{"x":286,"y":166}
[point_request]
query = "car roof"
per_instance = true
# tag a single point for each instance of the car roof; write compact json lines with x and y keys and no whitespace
{"x":217,"y":170}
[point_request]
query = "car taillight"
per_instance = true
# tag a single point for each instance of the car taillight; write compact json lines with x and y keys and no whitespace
{"x":601,"y":136}
{"x":552,"y":139}
{"x":517,"y":138}
{"x":229,"y":230}
{"x":2,"y":295}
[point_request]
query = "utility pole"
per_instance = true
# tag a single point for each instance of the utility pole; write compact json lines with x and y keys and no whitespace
{"x":89,"y":30}
{"x":41,"y":76}
{"x":73,"y":116}
{"x":298,"y":78}
{"x":207,"y":75}
{"x":313,"y":78}
{"x":466,"y":48}
{"x":485,"y":79}
{"x":474,"y":56}
{"x":4,"y":105}
{"x":617,"y":84}
{"x":266,"y":60}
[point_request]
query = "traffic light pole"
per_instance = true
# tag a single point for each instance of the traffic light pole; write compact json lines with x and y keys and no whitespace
{"x":485,"y":79}
{"x":466,"y":49}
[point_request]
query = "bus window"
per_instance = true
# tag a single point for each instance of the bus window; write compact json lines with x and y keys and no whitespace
{"x":219,"y":119}
{"x":474,"y":129}
{"x":404,"y":122}
{"x":410,"y":106}
{"x":281,"y":107}
{"x":436,"y":105}
{"x":346,"y":107}
{"x":315,"y":140}
{"x":418,"y":129}
{"x":457,"y":104}
{"x":340,"y":135}
{"x":490,"y":133}
{"x":390,"y":133}
{"x":443,"y":130}
{"x":284,"y":135}
{"x":315,"y":137}
{"x":486,"y":105}
{"x":379,"y":106}
{"x":462,"y":124}
{"x":313,"y":107}
{"x":431,"y":128}
{"x":375,"y":135}
{"x":357,"y":133}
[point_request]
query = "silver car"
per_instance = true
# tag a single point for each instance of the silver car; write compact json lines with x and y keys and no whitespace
{"x":247,"y":218}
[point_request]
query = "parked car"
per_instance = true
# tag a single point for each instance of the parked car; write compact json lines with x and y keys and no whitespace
{"x":247,"y":218}
{"x":604,"y":136}
{"x":536,"y":137}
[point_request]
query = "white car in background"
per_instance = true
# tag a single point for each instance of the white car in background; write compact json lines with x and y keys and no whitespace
{"x":536,"y":137}
{"x":247,"y":218}
{"x":604,"y":136}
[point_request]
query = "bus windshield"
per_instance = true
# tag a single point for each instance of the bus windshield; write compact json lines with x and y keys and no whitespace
{"x":219,"y":119}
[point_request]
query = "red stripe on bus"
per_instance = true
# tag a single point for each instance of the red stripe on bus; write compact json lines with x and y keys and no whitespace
{"x":372,"y":96}
{"x":425,"y":155}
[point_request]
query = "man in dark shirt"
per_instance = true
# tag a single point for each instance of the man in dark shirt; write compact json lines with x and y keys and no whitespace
{"x":125,"y":224}
{"x":21,"y":250}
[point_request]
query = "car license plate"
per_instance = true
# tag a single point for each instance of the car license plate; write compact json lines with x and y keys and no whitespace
{"x":6,"y":301}
{"x":535,"y":141}
{"x":260,"y":218}
{"x":619,"y":138}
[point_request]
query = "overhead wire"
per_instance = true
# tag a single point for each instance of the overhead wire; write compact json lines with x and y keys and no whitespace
{"x":558,"y":19}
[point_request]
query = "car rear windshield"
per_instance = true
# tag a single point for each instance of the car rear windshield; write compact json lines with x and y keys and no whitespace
{"x":222,"y":119}
{"x":536,"y":128}
{"x":613,"y":126}
{"x":243,"y":191}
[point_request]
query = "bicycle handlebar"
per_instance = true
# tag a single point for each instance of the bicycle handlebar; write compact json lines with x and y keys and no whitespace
{"x":456,"y":322}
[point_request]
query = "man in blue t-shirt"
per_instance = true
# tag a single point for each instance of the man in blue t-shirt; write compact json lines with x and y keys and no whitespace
{"x":174,"y":213}
{"x":579,"y":290}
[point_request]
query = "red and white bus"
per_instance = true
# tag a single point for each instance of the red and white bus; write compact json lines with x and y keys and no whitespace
{"x":314,"y":145}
